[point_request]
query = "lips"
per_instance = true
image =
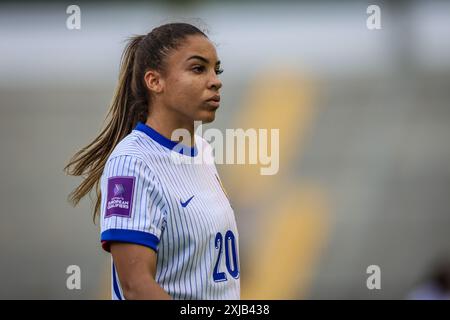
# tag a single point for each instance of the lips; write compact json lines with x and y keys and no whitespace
{"x":214,"y":98}
{"x":214,"y":101}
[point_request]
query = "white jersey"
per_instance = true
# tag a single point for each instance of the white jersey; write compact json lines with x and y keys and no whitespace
{"x":180,"y":210}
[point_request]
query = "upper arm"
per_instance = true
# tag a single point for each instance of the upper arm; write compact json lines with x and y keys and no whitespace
{"x":136,"y":268}
{"x":133,"y":217}
{"x":133,"y":260}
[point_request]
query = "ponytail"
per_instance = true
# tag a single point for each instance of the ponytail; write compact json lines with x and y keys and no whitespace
{"x":90,"y":160}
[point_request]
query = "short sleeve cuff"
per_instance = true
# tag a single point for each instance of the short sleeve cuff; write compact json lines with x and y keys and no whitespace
{"x":129,"y":236}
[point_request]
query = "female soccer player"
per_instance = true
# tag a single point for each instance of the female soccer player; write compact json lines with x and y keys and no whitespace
{"x":168,"y":225}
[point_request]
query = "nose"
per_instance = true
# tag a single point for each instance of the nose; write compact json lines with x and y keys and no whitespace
{"x":214,"y":82}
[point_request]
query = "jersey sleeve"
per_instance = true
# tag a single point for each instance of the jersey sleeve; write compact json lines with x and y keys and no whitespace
{"x":133,"y":208}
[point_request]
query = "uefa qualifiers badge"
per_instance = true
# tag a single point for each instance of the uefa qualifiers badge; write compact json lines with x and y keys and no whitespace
{"x":119,"y":197}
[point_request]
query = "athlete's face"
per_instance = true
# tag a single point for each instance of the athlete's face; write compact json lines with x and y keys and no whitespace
{"x":190,"y":83}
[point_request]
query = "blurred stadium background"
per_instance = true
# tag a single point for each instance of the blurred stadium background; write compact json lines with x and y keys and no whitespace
{"x":364,"y":118}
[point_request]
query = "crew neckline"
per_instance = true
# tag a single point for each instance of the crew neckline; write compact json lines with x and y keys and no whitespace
{"x":165,"y":142}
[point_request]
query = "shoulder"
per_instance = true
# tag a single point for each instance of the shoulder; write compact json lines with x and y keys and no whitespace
{"x":130,"y":157}
{"x":135,"y":144}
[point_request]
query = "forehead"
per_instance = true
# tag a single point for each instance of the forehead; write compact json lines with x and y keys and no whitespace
{"x":194,"y":46}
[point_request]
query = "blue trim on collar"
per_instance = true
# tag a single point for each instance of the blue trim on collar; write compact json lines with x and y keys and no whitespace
{"x":170,"y":144}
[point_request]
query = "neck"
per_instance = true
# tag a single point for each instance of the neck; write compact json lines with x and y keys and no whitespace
{"x":167,"y":122}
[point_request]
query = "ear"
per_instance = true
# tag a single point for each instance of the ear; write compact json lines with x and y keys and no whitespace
{"x":154,"y":81}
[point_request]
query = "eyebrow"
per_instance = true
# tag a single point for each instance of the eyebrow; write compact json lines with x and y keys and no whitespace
{"x":202,"y":59}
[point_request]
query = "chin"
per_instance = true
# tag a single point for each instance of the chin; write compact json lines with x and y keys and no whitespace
{"x":208,"y":117}
{"x":209,"y":120}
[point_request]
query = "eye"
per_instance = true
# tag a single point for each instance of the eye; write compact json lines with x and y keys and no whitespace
{"x":198,"y":69}
{"x":219,"y":71}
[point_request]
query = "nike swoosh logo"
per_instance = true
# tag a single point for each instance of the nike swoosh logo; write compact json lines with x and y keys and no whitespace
{"x":184,"y":204}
